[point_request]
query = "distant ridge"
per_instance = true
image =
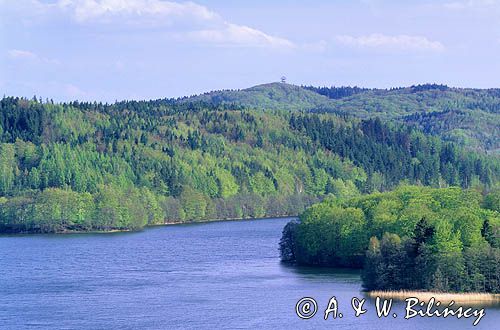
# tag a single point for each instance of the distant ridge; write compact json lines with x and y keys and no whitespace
{"x":470,"y":117}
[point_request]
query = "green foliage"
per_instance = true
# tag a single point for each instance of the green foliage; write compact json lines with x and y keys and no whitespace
{"x":390,"y":154}
{"x":226,"y":183}
{"x":58,"y":210}
{"x":492,"y":200}
{"x":193,"y":203}
{"x":331,"y":235}
{"x":8,"y":167}
{"x":287,"y":241}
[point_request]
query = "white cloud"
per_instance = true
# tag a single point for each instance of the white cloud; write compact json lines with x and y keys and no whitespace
{"x":22,"y":54}
{"x":26,"y":55}
{"x":401,"y":42}
{"x":185,"y":20}
{"x":91,"y":10}
{"x":240,"y":35}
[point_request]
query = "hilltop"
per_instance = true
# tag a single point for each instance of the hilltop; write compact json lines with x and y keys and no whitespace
{"x":469,"y":117}
{"x":271,"y":96}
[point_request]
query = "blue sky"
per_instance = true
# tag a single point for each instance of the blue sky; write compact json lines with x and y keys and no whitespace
{"x":110,"y":50}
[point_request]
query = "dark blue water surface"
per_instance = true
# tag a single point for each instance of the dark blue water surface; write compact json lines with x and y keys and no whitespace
{"x":219,"y":275}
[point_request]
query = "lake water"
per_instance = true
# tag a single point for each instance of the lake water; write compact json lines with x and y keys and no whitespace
{"x":200,"y":276}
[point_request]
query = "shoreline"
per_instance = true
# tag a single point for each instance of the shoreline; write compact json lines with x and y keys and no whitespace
{"x":220,"y":220}
{"x":473,"y":298}
{"x":114,"y":231}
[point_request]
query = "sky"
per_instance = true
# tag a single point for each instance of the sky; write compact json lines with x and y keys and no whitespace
{"x":107,"y":50}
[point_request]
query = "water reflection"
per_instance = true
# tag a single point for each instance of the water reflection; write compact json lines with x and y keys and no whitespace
{"x":338,"y":274}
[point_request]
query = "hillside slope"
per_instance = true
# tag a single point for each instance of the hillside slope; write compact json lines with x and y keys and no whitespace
{"x":469,"y":117}
{"x":93,"y":166}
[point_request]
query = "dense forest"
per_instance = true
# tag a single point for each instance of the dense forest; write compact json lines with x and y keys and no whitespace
{"x":97,"y":166}
{"x":412,"y":238}
{"x":466,"y":116}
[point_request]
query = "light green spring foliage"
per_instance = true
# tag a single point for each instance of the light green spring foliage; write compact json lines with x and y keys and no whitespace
{"x":135,"y":168}
{"x":337,"y":232}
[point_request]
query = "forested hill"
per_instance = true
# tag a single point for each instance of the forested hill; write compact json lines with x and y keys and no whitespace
{"x":92,"y":166}
{"x":470,"y":117}
{"x":275,"y":96}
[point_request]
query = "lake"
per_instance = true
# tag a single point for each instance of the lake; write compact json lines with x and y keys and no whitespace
{"x":197,"y":276}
